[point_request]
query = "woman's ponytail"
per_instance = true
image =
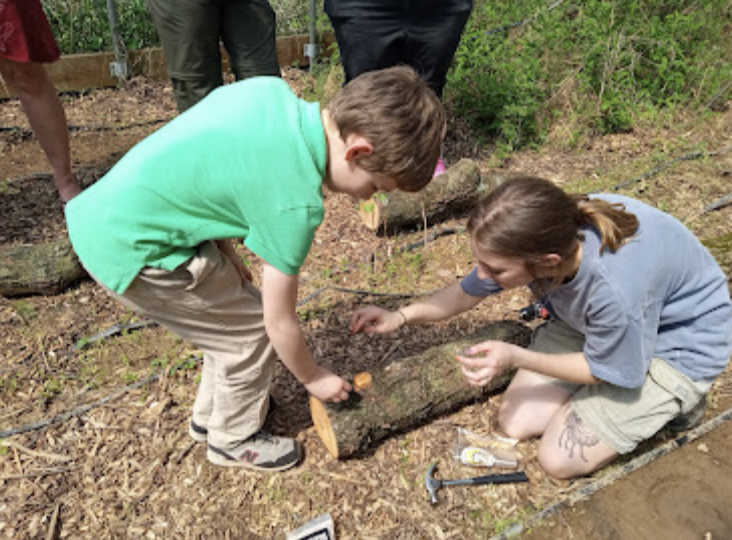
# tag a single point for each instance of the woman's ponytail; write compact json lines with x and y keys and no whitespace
{"x":612,"y":221}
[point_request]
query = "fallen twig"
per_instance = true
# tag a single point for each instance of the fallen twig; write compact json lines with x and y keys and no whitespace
{"x":54,"y":528}
{"x":35,"y":453}
{"x":112,"y":331}
{"x":44,"y":472}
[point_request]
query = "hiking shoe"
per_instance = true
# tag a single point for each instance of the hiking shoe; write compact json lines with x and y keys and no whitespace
{"x":440,"y":169}
{"x":262,"y":452}
{"x":200,"y":434}
{"x":690,"y":420}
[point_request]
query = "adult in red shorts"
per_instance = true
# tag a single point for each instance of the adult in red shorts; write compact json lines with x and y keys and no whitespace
{"x":26,"y":43}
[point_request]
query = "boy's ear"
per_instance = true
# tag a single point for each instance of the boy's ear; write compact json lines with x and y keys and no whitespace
{"x":357,"y":146}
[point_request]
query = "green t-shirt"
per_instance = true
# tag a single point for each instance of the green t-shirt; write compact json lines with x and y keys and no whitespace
{"x":246,"y":162}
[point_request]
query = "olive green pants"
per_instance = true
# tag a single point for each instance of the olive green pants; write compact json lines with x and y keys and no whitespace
{"x":191,"y":32}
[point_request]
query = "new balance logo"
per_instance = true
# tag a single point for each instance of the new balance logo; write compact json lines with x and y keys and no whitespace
{"x":249,"y":456}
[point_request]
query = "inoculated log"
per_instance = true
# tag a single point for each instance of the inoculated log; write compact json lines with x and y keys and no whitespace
{"x":448,"y":195}
{"x":38,"y":269}
{"x":408,"y":393}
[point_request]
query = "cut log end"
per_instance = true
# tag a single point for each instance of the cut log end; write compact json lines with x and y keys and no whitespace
{"x":321,"y":418}
{"x":370,"y":213}
{"x":450,"y":192}
{"x":323,"y":426}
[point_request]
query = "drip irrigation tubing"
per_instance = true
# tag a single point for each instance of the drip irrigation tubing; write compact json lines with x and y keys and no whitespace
{"x":26,"y":132}
{"x":719,"y":203}
{"x":620,"y":472}
{"x":61,"y":418}
{"x":686,"y":157}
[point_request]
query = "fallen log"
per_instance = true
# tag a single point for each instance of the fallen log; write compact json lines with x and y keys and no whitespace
{"x":38,"y":268}
{"x":448,"y":195}
{"x":407,"y":393}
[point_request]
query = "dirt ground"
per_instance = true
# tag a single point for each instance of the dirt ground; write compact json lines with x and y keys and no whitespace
{"x":94,"y":431}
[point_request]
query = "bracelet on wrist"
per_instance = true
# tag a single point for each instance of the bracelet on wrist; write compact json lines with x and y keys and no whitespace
{"x":403,"y":317}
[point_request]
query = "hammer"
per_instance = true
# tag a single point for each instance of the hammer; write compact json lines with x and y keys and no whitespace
{"x":433,"y":484}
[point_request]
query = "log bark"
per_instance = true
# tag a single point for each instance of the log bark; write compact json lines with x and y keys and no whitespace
{"x":38,"y":268}
{"x":448,"y":195}
{"x":408,"y":393}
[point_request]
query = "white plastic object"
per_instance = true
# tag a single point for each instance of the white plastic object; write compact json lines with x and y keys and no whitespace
{"x":319,"y":528}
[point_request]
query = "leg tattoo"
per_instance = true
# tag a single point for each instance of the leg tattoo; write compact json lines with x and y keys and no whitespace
{"x":576,"y":434}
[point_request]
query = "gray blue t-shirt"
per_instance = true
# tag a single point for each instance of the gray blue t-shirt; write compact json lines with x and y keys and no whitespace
{"x":660,"y":295}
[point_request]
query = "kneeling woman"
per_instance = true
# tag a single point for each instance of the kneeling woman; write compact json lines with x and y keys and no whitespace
{"x":640,"y":320}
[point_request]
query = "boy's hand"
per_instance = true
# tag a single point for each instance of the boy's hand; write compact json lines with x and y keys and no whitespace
{"x":375,"y":320}
{"x":327,"y":386}
{"x":484,"y":361}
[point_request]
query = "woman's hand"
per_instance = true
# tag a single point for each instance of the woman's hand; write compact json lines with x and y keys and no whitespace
{"x":327,"y":386}
{"x":375,"y":320}
{"x":484,"y":361}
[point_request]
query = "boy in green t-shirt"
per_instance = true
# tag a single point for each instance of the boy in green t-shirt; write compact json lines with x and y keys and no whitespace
{"x":249,"y":161}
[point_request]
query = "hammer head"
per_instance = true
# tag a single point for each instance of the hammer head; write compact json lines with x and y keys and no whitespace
{"x":431,"y":483}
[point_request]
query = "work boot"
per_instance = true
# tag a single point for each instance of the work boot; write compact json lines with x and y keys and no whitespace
{"x":262,"y":452}
{"x":690,"y":420}
{"x":200,"y":434}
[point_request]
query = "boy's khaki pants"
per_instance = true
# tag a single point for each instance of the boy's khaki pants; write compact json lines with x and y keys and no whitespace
{"x":204,"y":302}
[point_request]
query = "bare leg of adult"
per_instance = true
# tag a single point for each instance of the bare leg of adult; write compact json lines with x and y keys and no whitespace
{"x":529,"y":404}
{"x":570,"y":448}
{"x":47,"y":119}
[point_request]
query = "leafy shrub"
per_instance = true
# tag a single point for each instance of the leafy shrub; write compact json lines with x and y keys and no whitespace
{"x":620,"y":59}
{"x":82,"y":26}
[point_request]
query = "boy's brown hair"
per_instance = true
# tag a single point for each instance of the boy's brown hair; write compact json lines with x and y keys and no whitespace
{"x":402,"y":118}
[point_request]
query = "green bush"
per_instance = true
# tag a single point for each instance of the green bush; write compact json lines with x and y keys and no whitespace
{"x":619,"y":59}
{"x":82,"y":26}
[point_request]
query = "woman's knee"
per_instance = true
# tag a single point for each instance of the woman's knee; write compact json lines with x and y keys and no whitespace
{"x":563,"y":456}
{"x":562,"y":466}
{"x":516,"y":423}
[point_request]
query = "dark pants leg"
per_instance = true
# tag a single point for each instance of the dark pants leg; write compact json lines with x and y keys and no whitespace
{"x":425,"y":40}
{"x":431,"y":46}
{"x":191,"y":32}
{"x":369,"y":43}
{"x":249,"y":35}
